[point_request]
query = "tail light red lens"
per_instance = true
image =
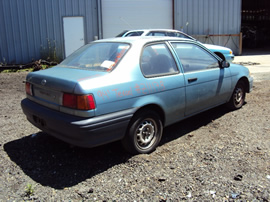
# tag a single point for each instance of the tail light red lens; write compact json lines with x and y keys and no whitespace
{"x":69,"y":100}
{"x":82,"y":102}
{"x":28,"y":88}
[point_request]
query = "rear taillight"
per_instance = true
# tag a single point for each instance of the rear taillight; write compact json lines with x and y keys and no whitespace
{"x":28,"y":88}
{"x":82,"y":102}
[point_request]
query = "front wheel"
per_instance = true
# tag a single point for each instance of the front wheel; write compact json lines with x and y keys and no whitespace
{"x":144,"y":133}
{"x":238,"y":97}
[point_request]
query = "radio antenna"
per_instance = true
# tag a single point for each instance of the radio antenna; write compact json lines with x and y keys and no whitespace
{"x":126,"y":22}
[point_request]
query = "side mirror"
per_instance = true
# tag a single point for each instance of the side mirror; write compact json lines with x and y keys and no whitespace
{"x":225,"y":64}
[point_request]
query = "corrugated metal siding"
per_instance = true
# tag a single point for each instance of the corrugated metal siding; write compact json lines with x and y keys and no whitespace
{"x":120,"y":15}
{"x":32,"y":28}
{"x":210,"y":17}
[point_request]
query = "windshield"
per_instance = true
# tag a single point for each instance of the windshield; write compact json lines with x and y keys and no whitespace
{"x":97,"y":56}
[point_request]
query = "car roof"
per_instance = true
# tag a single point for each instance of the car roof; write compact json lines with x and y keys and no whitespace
{"x":143,"y":39}
{"x":155,"y":30}
{"x":146,"y":31}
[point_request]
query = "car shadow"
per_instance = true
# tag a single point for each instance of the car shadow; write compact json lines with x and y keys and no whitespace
{"x":56,"y":164}
{"x":193,"y":123}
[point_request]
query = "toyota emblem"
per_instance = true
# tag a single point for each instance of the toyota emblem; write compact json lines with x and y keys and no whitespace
{"x":43,"y":82}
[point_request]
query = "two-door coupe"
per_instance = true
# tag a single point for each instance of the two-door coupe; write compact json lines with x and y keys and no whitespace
{"x":129,"y":89}
{"x":223,"y":52}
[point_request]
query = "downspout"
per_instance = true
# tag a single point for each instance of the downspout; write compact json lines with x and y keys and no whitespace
{"x":173,"y":14}
{"x":99,"y":11}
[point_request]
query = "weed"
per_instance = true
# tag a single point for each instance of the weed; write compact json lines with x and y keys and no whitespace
{"x":50,"y":52}
{"x":3,"y":62}
{"x":9,"y":71}
{"x":29,"y":191}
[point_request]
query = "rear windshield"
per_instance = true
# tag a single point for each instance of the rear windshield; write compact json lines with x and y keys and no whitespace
{"x":97,"y":56}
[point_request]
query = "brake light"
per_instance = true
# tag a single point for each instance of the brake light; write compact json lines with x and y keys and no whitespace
{"x":28,"y":88}
{"x":82,"y":102}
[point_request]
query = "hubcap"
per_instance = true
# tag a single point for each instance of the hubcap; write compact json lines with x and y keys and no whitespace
{"x":146,"y":133}
{"x":238,"y":95}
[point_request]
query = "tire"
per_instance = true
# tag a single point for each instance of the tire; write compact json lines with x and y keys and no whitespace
{"x":237,"y":99}
{"x":144,"y":133}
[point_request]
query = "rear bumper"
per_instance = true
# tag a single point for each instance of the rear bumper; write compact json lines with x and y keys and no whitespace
{"x":79,"y":131}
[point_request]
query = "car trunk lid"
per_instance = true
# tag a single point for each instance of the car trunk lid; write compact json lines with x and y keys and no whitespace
{"x":49,"y":85}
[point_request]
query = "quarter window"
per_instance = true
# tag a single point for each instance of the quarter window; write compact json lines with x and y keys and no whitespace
{"x":156,"y":59}
{"x":194,"y":58}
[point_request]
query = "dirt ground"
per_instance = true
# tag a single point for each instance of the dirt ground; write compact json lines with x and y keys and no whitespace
{"x":218,"y":155}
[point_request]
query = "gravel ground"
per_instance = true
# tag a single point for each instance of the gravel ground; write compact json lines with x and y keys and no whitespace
{"x":219,"y":155}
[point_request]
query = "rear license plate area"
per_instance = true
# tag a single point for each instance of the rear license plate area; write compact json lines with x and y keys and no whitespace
{"x":39,"y":121}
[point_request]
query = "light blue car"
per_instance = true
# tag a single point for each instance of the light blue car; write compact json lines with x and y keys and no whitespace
{"x":129,"y":89}
{"x":223,"y":52}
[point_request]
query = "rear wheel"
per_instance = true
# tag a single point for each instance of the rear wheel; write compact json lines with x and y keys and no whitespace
{"x":144,"y":133}
{"x":238,"y":97}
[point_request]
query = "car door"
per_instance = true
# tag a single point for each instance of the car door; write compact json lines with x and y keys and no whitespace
{"x":207,"y":84}
{"x":159,"y":67}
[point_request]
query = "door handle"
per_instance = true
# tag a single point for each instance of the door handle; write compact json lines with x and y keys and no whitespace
{"x":192,"y":79}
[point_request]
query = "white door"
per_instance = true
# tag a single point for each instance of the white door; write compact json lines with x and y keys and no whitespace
{"x":119,"y":15}
{"x":73,"y":34}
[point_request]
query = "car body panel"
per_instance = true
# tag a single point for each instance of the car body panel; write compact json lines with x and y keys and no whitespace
{"x":123,"y":91}
{"x":238,"y":72}
{"x":211,"y":86}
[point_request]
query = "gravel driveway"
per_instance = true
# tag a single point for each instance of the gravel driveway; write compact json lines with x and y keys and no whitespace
{"x":219,"y":155}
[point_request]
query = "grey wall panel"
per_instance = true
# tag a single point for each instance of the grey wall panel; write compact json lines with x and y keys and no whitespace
{"x":120,"y":15}
{"x":210,"y":17}
{"x":33,"y":29}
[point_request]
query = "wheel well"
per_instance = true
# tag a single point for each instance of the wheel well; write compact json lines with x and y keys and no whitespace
{"x":154,"y":108}
{"x":220,"y":55}
{"x":246,"y":82}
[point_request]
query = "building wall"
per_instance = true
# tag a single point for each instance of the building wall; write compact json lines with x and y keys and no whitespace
{"x":119,"y":15}
{"x":33,"y":29}
{"x":205,"y":18}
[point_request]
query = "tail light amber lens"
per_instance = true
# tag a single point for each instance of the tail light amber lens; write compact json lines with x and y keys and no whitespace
{"x":85,"y":102}
{"x":82,"y":102}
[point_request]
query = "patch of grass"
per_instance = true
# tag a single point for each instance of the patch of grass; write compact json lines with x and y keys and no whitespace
{"x":9,"y":70}
{"x":31,"y":69}
{"x":29,"y":191}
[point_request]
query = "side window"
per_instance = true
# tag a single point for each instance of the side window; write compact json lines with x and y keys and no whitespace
{"x":171,"y":34}
{"x":139,"y":33}
{"x":156,"y":34}
{"x":194,"y":58}
{"x":156,"y":59}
